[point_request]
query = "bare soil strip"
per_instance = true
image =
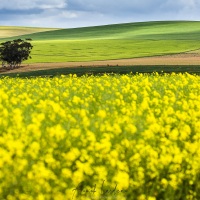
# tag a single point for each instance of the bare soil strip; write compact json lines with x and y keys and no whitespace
{"x":177,"y":59}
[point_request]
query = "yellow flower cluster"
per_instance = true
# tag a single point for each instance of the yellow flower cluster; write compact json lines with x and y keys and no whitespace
{"x":104,"y":137}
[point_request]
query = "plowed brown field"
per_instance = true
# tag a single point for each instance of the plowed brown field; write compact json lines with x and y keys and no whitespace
{"x":192,"y":58}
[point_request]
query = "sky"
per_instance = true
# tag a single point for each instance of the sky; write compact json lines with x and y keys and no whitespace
{"x":82,"y":13}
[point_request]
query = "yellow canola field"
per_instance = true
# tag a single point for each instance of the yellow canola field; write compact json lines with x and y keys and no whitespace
{"x":134,"y":137}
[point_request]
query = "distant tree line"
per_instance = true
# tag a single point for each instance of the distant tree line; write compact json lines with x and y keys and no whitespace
{"x":13,"y":53}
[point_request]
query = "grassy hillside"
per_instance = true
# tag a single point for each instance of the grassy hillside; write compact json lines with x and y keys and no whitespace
{"x":167,"y":30}
{"x":10,"y":31}
{"x":115,"y":41}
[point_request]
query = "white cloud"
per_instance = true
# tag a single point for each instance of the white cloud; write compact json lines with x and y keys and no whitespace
{"x":31,"y":4}
{"x":148,"y":6}
{"x":74,"y":13}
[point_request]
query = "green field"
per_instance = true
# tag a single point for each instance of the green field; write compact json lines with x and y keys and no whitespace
{"x":112,"y":41}
{"x":98,"y":71}
{"x":90,"y":135}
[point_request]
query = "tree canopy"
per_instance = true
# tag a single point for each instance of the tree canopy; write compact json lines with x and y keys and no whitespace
{"x":13,"y":53}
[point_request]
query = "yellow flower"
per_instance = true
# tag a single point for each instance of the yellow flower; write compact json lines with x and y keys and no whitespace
{"x":151,"y":198}
{"x":125,"y":130}
{"x":122,"y":179}
{"x":173,"y":181}
{"x":174,"y":134}
{"x":185,"y":132}
{"x":101,"y":114}
{"x":164,"y":182}
{"x":74,"y":132}
{"x":66,"y":173}
{"x":72,"y":155}
{"x":57,"y":132}
{"x":76,"y":100}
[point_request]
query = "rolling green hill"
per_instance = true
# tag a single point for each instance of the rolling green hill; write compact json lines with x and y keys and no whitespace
{"x":114,"y":41}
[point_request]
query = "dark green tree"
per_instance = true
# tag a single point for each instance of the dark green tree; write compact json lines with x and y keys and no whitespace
{"x":13,"y":53}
